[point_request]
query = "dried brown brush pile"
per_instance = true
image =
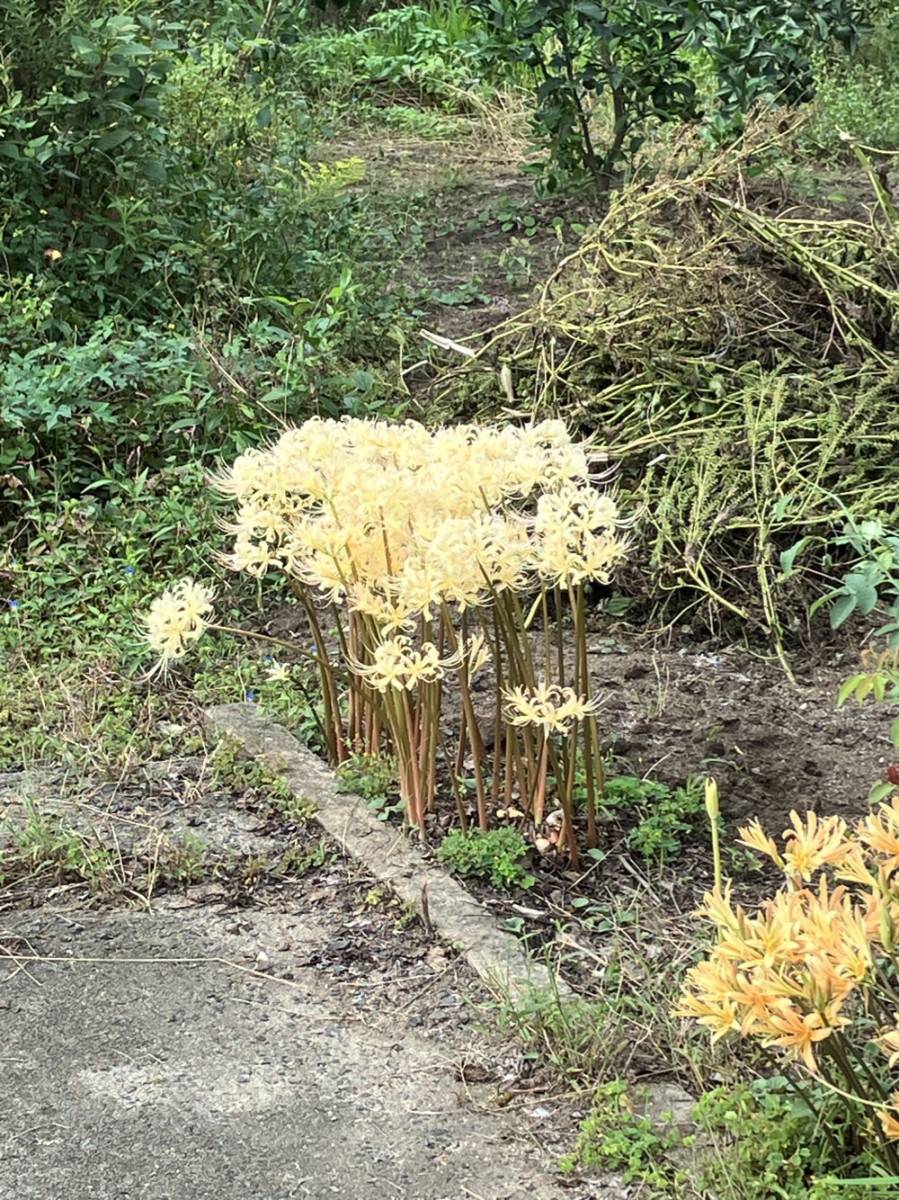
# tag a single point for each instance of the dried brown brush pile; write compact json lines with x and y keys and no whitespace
{"x":738,"y":355}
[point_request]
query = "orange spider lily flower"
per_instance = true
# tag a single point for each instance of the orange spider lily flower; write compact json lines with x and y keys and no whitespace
{"x":811,"y":845}
{"x":755,"y":838}
{"x":889,"y":1119}
{"x":798,"y":1034}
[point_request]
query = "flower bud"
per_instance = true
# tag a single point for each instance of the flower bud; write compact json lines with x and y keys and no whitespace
{"x":711,"y":798}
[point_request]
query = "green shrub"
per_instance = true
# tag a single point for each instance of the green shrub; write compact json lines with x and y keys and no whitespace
{"x":371,"y":776}
{"x":601,"y":74}
{"x":859,"y":94}
{"x":84,"y":404}
{"x":762,"y":54}
{"x":432,"y":53}
{"x":151,"y":179}
{"x":616,"y":1138}
{"x":768,"y":1142}
{"x":751,"y":1142}
{"x":493,"y":855}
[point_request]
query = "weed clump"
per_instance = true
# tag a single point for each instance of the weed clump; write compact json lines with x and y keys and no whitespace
{"x":493,"y":855}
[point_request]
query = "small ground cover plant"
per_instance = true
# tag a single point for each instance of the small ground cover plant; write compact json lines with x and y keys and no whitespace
{"x":663,"y":815}
{"x":493,"y":855}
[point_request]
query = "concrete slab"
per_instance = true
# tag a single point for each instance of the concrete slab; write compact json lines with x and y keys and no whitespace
{"x":144,"y":1055}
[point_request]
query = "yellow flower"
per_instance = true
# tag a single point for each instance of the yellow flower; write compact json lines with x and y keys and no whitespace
{"x":419,"y":518}
{"x":708,"y":998}
{"x":880,"y":832}
{"x":717,"y":907}
{"x":889,"y":1119}
{"x":397,"y":664}
{"x":889,"y":1044}
{"x":753,"y":836}
{"x":755,"y":996}
{"x":477,"y":653}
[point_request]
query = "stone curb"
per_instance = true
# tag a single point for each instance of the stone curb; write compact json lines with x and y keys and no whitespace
{"x":455,"y":915}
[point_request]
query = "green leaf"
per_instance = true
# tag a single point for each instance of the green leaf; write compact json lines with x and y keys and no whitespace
{"x":862,"y":590}
{"x":115,"y":137}
{"x":847,"y":689}
{"x":894,"y":733}
{"x":780,"y":508}
{"x":788,"y":557}
{"x":879,"y":792}
{"x":869,"y":1181}
{"x":842,"y":610}
{"x":154,"y":170}
{"x":81,"y":45}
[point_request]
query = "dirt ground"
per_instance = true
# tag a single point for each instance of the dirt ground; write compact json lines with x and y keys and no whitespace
{"x":773,"y":746}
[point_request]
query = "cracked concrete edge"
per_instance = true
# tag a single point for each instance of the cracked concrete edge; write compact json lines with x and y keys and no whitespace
{"x":455,"y":915}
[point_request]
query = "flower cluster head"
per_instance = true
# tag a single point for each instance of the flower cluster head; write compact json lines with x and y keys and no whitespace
{"x":177,"y":618}
{"x":396,"y":663}
{"x":547,"y":706}
{"x":802,"y":968}
{"x":398,"y":520}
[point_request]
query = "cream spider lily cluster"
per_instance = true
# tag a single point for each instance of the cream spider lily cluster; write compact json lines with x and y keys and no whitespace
{"x":420,"y":558}
{"x":814,"y":972}
{"x":178,"y":618}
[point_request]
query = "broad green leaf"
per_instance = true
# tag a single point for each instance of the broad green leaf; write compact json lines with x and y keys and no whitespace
{"x":848,"y":688}
{"x":82,"y":45}
{"x":879,"y":792}
{"x":843,"y":608}
{"x":113,"y":139}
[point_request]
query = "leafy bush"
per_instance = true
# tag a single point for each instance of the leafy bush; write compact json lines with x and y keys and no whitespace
{"x":858,"y":93}
{"x":750,"y":1142}
{"x":224,"y":120}
{"x":408,"y":51}
{"x":590,"y":59}
{"x":151,"y":179}
{"x":768,"y":1141}
{"x":605,"y":73}
{"x":371,"y":776}
{"x":160,"y":187}
{"x":872,"y":583}
{"x":763,"y":53}
{"x":83,"y":404}
{"x":493,"y":855}
{"x":614,"y":1137}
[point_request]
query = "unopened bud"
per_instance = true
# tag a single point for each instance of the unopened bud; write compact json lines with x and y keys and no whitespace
{"x":711,"y":798}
